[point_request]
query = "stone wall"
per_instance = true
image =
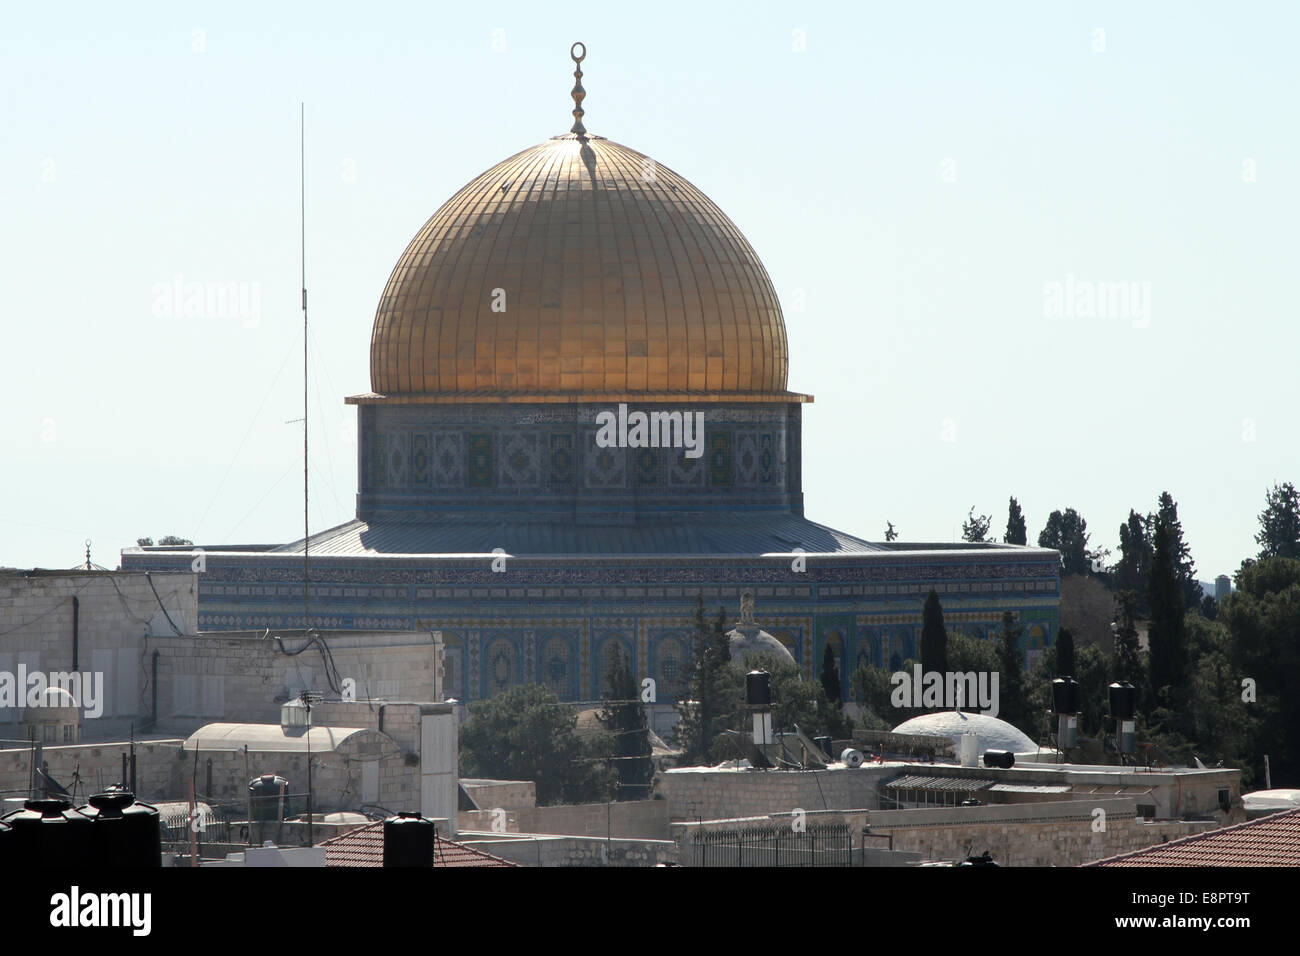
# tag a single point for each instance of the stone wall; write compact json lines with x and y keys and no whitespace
{"x":631,"y":819}
{"x":243,"y":676}
{"x":506,"y":794}
{"x":722,"y":794}
{"x":164,"y":770}
{"x":158,"y":768}
{"x":575,"y":851}
{"x":683,"y":833}
{"x":124,"y":631}
{"x":1044,"y":834}
{"x":336,"y":782}
{"x":117,"y":614}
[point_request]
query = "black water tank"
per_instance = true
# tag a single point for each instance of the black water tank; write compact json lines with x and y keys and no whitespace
{"x":264,"y":797}
{"x":999,"y":758}
{"x":408,"y":840}
{"x":1123,"y":700}
{"x":1065,"y":696}
{"x":758,"y":689}
{"x":49,"y":834}
{"x":125,"y":833}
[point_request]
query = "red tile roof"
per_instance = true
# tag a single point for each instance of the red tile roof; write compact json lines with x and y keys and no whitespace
{"x":364,"y":846}
{"x":1269,"y":841}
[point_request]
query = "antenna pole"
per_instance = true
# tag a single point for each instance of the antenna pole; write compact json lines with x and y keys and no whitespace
{"x":302,"y":246}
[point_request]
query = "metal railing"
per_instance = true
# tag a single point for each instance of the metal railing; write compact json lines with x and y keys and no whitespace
{"x":825,"y":844}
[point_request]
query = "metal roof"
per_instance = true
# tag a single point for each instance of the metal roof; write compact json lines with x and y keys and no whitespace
{"x":763,"y":533}
{"x":927,"y":782}
{"x":268,"y":738}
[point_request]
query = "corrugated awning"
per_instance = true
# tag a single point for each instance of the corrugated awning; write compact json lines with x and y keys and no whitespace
{"x":1029,"y":788}
{"x":925,"y":782}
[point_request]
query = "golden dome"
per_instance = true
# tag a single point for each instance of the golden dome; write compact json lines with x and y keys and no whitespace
{"x":578,"y":269}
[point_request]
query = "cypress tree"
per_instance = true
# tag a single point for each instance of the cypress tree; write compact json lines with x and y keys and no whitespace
{"x":1011,"y":683}
{"x":1128,"y":663}
{"x":1065,"y":653}
{"x":1016,"y":531}
{"x":1167,"y":638}
{"x":1181,"y":552}
{"x":1135,"y":557}
{"x":698,"y":725}
{"x":624,"y":717}
{"x":830,"y":679}
{"x":934,"y":638}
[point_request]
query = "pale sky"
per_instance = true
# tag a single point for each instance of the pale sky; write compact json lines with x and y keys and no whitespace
{"x":913,"y":176}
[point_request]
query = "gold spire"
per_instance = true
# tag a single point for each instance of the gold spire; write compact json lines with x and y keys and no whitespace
{"x":578,"y":92}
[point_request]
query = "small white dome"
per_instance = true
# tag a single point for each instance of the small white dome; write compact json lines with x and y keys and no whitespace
{"x":994,"y":734}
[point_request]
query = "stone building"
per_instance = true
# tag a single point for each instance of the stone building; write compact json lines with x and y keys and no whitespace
{"x":578,"y":424}
{"x":89,"y":622}
{"x":133,"y":637}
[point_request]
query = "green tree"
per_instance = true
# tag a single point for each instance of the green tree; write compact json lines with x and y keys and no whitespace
{"x":966,"y":653}
{"x":1166,"y":639}
{"x":1064,"y":653}
{"x":1016,"y":532}
{"x":794,"y":700}
{"x":1067,"y":532}
{"x":976,"y":527}
{"x":871,"y":690}
{"x":1263,"y":618}
{"x":934,"y":638}
{"x":890,"y":533}
{"x":172,"y":541}
{"x":1224,"y":727}
{"x":144,"y":542}
{"x":1184,"y":566}
{"x":527,"y":733}
{"x":1128,"y":664}
{"x":1091,"y":670}
{"x":1279,"y":523}
{"x":1013,"y":705}
{"x":623,"y":716}
{"x":1135,"y":557}
{"x":703,"y":715}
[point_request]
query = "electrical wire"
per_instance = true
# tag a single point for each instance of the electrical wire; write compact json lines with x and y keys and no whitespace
{"x":265,"y":495}
{"x":331,"y":669}
{"x":149,"y":577}
{"x":251,"y":423}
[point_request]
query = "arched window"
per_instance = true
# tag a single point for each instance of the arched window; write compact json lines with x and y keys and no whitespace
{"x":500,"y":662}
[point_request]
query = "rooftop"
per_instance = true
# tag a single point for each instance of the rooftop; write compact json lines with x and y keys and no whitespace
{"x":364,"y":846}
{"x":1269,"y":841}
{"x":269,"y":738}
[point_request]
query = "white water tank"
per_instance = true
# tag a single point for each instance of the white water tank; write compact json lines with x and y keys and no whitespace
{"x":970,"y":749}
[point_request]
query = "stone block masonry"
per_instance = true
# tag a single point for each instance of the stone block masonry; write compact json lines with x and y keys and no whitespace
{"x":1064,"y":833}
{"x":724,"y":794}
